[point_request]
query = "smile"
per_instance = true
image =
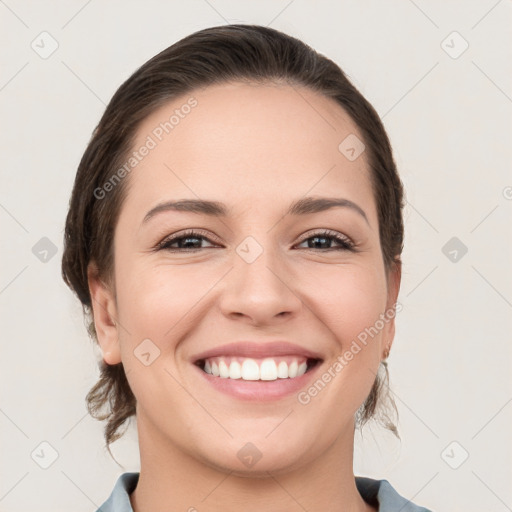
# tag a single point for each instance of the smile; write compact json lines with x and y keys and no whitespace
{"x":256,"y":371}
{"x":252,"y":369}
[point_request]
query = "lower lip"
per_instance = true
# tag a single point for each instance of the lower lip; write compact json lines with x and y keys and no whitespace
{"x":259,"y":390}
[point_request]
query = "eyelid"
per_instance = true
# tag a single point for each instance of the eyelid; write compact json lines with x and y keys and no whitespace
{"x":184,"y":233}
{"x":344,"y":242}
{"x":326,"y":232}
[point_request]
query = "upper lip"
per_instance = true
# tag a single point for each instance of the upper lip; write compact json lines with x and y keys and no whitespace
{"x":257,"y":350}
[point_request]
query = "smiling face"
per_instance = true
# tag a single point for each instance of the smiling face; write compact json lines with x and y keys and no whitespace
{"x":265,"y":263}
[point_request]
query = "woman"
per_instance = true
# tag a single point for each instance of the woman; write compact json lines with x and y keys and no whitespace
{"x":234,"y":233}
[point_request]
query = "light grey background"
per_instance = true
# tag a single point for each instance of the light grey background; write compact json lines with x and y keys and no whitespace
{"x":448,"y":115}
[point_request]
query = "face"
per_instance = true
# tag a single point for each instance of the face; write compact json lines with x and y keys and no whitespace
{"x":248,"y":281}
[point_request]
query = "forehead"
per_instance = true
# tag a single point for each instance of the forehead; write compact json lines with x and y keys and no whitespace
{"x":248,"y":144}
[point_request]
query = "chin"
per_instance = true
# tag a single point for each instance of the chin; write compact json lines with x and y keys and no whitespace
{"x":257,"y":458}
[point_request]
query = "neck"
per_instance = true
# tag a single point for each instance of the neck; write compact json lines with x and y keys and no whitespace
{"x":172,"y":479}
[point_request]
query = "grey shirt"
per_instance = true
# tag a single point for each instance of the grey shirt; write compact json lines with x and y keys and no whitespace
{"x":379,"y":493}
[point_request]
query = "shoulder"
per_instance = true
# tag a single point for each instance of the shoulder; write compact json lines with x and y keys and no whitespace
{"x":119,"y":500}
{"x":382,"y":494}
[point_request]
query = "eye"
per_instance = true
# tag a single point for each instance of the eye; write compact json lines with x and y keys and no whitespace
{"x":323,"y":238}
{"x":187,"y":241}
{"x":191,"y":240}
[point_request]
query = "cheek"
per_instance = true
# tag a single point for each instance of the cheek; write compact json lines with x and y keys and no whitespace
{"x":156,"y":304}
{"x":348,"y":300}
{"x":162,"y":302}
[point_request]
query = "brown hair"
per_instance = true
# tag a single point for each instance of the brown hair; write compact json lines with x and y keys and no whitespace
{"x":211,"y":56}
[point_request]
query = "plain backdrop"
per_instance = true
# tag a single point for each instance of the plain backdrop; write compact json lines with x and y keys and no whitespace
{"x":438,"y":73}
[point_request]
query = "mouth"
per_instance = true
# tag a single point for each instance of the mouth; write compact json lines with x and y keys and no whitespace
{"x":258,"y":372}
{"x":257,"y":369}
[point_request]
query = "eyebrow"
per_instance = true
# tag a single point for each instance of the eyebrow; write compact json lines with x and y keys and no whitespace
{"x":304,"y":206}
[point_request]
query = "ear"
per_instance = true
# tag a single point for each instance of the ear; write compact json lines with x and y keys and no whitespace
{"x":105,"y":314}
{"x":394,"y":278}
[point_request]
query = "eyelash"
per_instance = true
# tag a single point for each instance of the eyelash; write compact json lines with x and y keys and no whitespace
{"x":345,"y":243}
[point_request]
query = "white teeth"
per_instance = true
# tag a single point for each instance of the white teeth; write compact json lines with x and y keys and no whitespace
{"x":268,"y":370}
{"x":223,"y":370}
{"x":282,"y":370}
{"x":251,"y":369}
{"x":235,"y":370}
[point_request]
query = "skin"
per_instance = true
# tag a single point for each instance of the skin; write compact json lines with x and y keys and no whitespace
{"x":256,"y":148}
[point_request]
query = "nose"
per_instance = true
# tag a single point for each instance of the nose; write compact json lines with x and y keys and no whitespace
{"x":262,"y":291}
